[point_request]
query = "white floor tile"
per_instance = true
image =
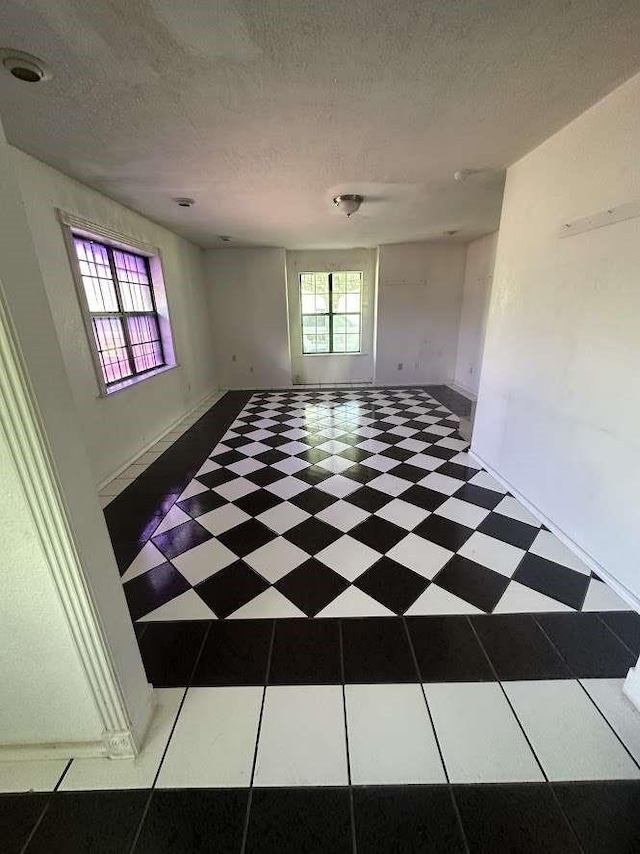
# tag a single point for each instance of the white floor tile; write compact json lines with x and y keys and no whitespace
{"x":485,"y":480}
{"x":275,"y":559}
{"x":148,"y":558}
{"x":193,"y":488}
{"x":353,"y":602}
{"x":463,"y":512}
{"x":268,"y":605}
{"x":403,"y":514}
{"x":618,"y":710}
{"x":422,"y":556}
{"x":390,"y":484}
{"x":492,"y":553}
{"x":253,"y":449}
{"x":293,"y":448}
{"x":464,"y":459}
{"x":342,"y":515}
{"x":435,"y":600}
{"x":222,"y":518}
{"x":547,"y":545}
{"x":203,"y":561}
{"x":518,"y":599}
{"x":381,"y":463}
{"x":214,"y":740}
{"x":600,"y":597}
{"x":207,"y":466}
{"x":31,"y":775}
{"x":374,"y":446}
{"x":174,"y":517}
{"x":425,"y":461}
{"x":302,"y":738}
{"x":287,"y":487}
{"x":452,"y":444}
{"x":186,"y":606}
{"x":413,"y":445}
{"x":442,"y":483}
{"x":282,"y":517}
{"x":291,"y":465}
{"x":349,"y":557}
{"x":245,"y":466}
{"x":569,"y":735}
{"x":333,"y":446}
{"x":335,"y":464}
{"x":512,"y":508}
{"x":479,"y":736}
{"x":234,"y":489}
{"x":339,"y":485}
{"x":138,"y":773}
{"x":391,"y":740}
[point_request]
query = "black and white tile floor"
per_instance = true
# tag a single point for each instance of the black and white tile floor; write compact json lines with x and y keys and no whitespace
{"x":353,"y":503}
{"x":459,"y":691}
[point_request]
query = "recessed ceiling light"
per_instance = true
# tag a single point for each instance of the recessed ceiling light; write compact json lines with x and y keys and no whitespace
{"x":24,"y":66}
{"x":183,"y":202}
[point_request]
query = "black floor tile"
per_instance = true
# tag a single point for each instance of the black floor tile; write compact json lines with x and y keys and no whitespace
{"x":409,"y":472}
{"x":313,"y":475}
{"x":472,"y":582}
{"x":265,"y":476}
{"x":518,"y":649}
{"x":378,"y":534}
{"x":217,"y":477}
{"x":487,"y":498}
{"x":312,"y":535}
{"x":231,"y":588}
{"x":271,"y":457}
{"x":626,"y":625}
{"x":356,"y":455}
{"x":247,"y":537}
{"x":311,"y":586}
{"x":292,"y":821}
{"x":460,"y":472}
{"x":306,"y":652}
{"x":435,"y":450}
{"x":362,"y":473}
{"x":551,"y":579}
{"x":427,"y":499}
{"x":153,"y":588}
{"x":392,"y":584}
{"x":406,"y":820}
{"x":181,"y":538}
{"x":257,"y":502}
{"x":400,"y":454}
{"x":369,"y":499}
{"x":523,"y":819}
{"x":604,"y":815}
{"x":313,"y":500}
{"x":202,"y":503}
{"x":446,"y":533}
{"x":508,"y":530}
{"x":169,"y":651}
{"x":587,"y":645}
{"x":96,"y":822}
{"x":376,"y":650}
{"x":447,"y":650}
{"x":236,"y":652}
{"x":194,"y":820}
{"x":18,"y":817}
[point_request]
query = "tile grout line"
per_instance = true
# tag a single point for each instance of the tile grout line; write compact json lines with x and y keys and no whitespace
{"x":352,"y":816}
{"x":45,"y":808}
{"x":435,"y":735}
{"x":609,"y":724}
{"x":614,"y":633}
{"x":247,"y":817}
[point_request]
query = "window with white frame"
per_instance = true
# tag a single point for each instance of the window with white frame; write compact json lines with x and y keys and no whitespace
{"x":120,"y":310}
{"x":331,"y":306}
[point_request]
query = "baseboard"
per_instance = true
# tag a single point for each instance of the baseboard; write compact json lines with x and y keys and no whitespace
{"x":210,"y":396}
{"x":57,"y":750}
{"x":630,"y":598}
{"x":465,"y":392}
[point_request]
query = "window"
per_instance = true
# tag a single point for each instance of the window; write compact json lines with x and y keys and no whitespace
{"x":122,"y":310}
{"x":331,"y":312}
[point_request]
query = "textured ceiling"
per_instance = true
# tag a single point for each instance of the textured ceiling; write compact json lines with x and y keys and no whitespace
{"x":262,"y":110}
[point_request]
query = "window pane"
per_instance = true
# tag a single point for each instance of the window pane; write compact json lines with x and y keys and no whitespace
{"x":145,"y":342}
{"x":339,"y":283}
{"x":322,"y":303}
{"x":339,"y":303}
{"x":96,"y":275}
{"x":353,"y":343}
{"x":307,"y":283}
{"x":323,"y":343}
{"x":109,"y":338}
{"x":309,"y":343}
{"x":339,"y":323}
{"x":132,"y":275}
{"x":322,"y":324}
{"x":339,"y":343}
{"x":322,"y":283}
{"x":309,"y":323}
{"x":353,"y":302}
{"x":354,"y":282}
{"x":352,"y":323}
{"x":308,"y":303}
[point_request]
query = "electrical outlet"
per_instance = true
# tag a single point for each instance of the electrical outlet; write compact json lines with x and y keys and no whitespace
{"x":251,"y":369}
{"x":400,"y":365}
{"x":234,"y":358}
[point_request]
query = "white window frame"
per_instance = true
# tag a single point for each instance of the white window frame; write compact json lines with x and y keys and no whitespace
{"x":74,"y":226}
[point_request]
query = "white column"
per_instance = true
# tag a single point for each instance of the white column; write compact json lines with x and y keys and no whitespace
{"x":631,"y":686}
{"x":72,"y":678}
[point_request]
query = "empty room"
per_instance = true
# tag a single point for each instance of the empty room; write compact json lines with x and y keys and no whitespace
{"x":319,"y":417}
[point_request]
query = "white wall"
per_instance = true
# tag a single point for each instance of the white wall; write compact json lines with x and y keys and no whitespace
{"x":419,"y":298}
{"x":559,"y":403}
{"x":118,"y":426}
{"x":334,"y":368}
{"x":248,"y":305}
{"x":478,"y":278}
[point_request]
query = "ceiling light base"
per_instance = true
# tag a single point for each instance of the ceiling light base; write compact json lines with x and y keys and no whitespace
{"x":348,"y":203}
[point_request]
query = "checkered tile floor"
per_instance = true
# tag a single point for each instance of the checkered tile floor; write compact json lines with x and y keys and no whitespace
{"x":349,"y":504}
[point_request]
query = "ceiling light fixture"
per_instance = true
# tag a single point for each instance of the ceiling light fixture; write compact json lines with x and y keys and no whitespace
{"x":24,"y":66}
{"x":348,"y":204}
{"x":184,"y":202}
{"x":225,"y":238}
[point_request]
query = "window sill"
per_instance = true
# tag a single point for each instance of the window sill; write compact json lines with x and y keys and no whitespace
{"x":133,"y":381}
{"x":324,"y":355}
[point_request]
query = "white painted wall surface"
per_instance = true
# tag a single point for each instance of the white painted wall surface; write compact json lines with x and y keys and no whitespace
{"x":559,"y":403}
{"x":478,"y":277}
{"x":118,"y":426}
{"x":248,"y":305}
{"x":334,"y":368}
{"x":419,"y":298}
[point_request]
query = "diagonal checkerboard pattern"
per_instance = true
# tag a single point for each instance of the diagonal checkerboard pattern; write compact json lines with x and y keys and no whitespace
{"x":347,"y":504}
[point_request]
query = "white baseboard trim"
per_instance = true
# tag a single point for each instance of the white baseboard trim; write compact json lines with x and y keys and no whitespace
{"x":211,"y":397}
{"x":631,"y":687}
{"x":465,"y":392}
{"x":59,"y":750}
{"x":630,"y":598}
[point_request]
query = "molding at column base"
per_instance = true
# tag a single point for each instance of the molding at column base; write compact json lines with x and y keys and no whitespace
{"x":631,"y":687}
